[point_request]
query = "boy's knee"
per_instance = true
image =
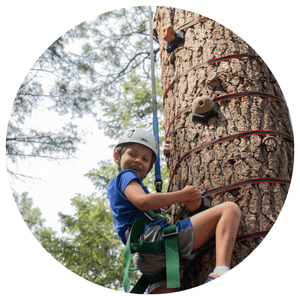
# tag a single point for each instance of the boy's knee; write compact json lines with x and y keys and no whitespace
{"x":234,"y":208}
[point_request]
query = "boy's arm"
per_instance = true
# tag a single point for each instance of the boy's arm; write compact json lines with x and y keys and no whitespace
{"x":137,"y":196}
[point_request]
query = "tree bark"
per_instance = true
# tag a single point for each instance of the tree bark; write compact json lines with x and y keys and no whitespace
{"x":231,"y":161}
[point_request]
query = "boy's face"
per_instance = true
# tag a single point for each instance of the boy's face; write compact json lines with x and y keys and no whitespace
{"x":136,"y":158}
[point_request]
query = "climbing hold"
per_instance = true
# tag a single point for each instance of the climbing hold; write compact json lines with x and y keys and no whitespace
{"x":172,"y":37}
{"x":204,"y":108}
{"x":168,"y":34}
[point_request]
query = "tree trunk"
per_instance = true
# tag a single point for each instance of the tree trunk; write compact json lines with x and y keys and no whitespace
{"x":234,"y":160}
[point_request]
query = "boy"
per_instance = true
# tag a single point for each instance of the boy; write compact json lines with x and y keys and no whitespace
{"x":135,"y":154}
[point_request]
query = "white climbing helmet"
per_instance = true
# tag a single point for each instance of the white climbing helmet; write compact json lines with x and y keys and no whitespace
{"x":140,"y":136}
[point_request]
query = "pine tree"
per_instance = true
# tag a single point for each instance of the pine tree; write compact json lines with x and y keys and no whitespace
{"x":239,"y":69}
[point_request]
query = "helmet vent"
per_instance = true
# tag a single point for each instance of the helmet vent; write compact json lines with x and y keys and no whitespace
{"x":130,"y":134}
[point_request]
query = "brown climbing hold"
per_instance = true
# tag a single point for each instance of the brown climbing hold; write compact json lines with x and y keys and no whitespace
{"x":203,"y":105}
{"x":168,"y":34}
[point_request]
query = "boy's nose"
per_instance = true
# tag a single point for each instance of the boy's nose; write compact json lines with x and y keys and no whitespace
{"x":138,"y":160}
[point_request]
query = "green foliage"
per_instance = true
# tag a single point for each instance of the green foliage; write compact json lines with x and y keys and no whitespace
{"x":112,"y":75}
{"x":150,"y":179}
{"x":102,"y":175}
{"x":55,"y":81}
{"x":88,"y":246}
{"x":118,"y":45}
{"x":31,"y":216}
{"x":36,"y":143}
{"x":93,"y":249}
{"x":115,"y":59}
{"x":132,"y":108}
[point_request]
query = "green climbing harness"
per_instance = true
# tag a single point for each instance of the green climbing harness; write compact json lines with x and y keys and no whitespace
{"x":169,"y":246}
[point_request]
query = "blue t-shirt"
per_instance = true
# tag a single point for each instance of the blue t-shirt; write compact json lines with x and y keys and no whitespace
{"x":123,"y":211}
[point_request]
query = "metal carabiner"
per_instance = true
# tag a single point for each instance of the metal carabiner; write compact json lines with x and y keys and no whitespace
{"x":168,"y":210}
{"x":270,"y":137}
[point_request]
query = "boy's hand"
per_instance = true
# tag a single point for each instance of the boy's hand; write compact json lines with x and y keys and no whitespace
{"x":192,"y":198}
{"x":191,"y":194}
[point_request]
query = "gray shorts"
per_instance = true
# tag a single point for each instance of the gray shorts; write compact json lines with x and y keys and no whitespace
{"x":151,"y":264}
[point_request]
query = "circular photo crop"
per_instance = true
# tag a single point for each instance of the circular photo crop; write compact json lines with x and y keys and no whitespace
{"x":154,"y":139}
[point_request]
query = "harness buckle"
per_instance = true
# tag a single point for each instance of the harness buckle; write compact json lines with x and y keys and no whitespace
{"x":149,"y":217}
{"x":158,"y":185}
{"x":170,"y":233}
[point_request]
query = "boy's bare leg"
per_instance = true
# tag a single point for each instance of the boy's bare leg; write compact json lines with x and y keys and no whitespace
{"x":222,"y":221}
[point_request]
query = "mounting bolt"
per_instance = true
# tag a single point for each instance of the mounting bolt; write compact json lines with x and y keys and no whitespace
{"x":270,"y":138}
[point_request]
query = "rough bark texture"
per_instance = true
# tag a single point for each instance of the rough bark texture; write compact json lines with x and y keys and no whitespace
{"x":231,"y":161}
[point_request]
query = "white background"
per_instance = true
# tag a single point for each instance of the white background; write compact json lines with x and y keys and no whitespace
{"x":28,"y":28}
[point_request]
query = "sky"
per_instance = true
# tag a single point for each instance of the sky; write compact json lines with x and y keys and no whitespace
{"x":27,"y":270}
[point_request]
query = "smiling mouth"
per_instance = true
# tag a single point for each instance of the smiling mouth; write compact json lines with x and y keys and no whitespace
{"x":135,"y":169}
